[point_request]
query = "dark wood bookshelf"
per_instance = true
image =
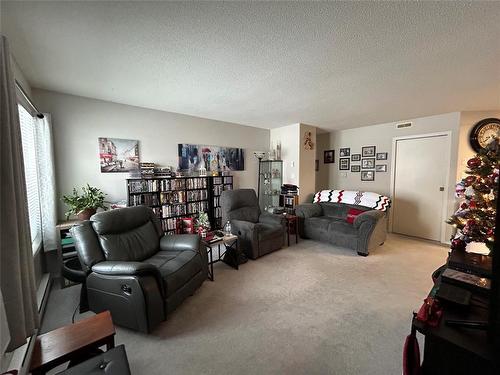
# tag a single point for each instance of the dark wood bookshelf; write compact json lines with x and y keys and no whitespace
{"x":148,"y":191}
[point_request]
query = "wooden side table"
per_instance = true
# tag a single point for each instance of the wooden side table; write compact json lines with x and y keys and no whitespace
{"x":292,"y":227}
{"x":65,"y":246}
{"x":72,"y":342}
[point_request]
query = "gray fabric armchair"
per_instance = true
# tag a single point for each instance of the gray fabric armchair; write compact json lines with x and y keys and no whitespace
{"x":133,"y":270}
{"x":259,"y":233}
{"x":326,"y":221}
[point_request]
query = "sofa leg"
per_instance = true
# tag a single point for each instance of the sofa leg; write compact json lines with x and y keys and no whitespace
{"x":362,"y":254}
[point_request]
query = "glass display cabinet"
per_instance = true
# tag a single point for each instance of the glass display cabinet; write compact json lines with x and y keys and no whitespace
{"x":270,"y":181}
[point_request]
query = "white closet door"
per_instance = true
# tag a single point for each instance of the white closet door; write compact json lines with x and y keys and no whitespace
{"x":421,"y":168}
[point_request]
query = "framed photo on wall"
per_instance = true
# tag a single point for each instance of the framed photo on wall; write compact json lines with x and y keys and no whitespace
{"x":344,"y":164}
{"x":345,"y":152}
{"x":368,"y":163}
{"x":368,"y":151}
{"x":329,"y":156}
{"x":355,"y":168}
{"x":381,"y":155}
{"x":355,"y":157}
{"x":381,"y":168}
{"x":367,"y":175}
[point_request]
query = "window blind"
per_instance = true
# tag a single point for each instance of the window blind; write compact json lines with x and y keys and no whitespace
{"x":31,"y":172}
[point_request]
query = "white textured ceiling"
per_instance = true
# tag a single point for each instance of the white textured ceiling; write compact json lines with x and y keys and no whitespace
{"x":333,"y":65}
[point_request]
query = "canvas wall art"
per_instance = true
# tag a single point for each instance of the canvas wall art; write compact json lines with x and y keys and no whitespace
{"x":118,"y":155}
{"x":212,"y":158}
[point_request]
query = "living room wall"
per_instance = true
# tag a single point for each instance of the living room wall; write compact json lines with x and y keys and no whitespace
{"x":78,"y":122}
{"x":381,"y":136}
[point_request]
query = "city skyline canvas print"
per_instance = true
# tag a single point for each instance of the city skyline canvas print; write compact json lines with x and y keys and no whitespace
{"x":212,"y":158}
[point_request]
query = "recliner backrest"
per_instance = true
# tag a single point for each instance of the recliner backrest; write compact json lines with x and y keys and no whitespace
{"x":127,"y":234}
{"x":240,"y":204}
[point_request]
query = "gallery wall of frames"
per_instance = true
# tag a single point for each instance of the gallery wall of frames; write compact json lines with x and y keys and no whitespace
{"x":367,"y":163}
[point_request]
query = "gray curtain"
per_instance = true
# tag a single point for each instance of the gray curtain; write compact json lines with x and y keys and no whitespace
{"x":17,"y":277}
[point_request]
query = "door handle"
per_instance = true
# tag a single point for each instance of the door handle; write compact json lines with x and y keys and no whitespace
{"x":441,"y":188}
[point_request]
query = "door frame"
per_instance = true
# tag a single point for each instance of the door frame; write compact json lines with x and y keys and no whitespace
{"x":444,"y":210}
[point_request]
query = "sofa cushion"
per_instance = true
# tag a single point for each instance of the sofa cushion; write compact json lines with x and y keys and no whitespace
{"x":176,"y":267}
{"x":133,"y":245}
{"x":352,"y":214}
{"x":335,"y":210}
{"x":317,"y":227}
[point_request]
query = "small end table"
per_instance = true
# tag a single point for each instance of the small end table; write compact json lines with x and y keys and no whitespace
{"x":230,"y":243}
{"x":292,"y":227}
{"x":72,"y":342}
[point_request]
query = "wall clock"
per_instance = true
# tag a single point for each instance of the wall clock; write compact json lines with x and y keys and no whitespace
{"x":483,"y":132}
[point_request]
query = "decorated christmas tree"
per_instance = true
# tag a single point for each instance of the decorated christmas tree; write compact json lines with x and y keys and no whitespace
{"x":475,"y":217}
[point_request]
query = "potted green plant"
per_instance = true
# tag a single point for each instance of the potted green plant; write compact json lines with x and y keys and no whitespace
{"x":86,"y":204}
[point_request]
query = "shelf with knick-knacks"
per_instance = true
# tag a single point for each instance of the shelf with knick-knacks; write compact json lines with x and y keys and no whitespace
{"x":270,"y":181}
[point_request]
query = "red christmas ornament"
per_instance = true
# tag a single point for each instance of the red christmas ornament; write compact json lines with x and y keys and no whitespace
{"x":458,"y":244}
{"x":469,"y":180}
{"x":463,"y":206}
{"x":474,"y":163}
{"x":472,"y":204}
{"x":481,"y":188}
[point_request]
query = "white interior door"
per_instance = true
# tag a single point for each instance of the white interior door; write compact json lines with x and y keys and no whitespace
{"x":420,"y":175}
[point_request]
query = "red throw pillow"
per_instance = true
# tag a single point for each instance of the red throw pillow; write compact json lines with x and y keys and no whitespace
{"x":352,"y":214}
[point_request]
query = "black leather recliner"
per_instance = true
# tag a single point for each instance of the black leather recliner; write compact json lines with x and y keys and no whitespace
{"x":259,"y":233}
{"x":135,"y":271}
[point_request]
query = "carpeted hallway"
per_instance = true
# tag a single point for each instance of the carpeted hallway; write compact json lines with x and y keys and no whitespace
{"x":308,"y":309}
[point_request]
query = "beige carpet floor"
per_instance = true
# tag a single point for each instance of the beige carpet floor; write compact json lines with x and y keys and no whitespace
{"x":307,"y":309}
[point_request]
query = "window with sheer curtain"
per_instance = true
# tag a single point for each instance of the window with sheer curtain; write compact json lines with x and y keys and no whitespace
{"x":28,"y":135}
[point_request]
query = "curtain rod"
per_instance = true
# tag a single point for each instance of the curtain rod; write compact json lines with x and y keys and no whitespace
{"x":28,"y":100}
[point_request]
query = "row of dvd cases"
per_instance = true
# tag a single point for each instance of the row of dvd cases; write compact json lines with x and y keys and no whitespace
{"x":172,"y":198}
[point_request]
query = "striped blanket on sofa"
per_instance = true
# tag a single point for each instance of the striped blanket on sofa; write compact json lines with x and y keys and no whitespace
{"x":361,"y":198}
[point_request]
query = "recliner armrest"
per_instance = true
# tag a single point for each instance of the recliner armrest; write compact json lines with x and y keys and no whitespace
{"x":180,"y":242}
{"x":306,"y":210}
{"x":122,"y":268}
{"x":371,"y":216}
{"x":267,"y":218}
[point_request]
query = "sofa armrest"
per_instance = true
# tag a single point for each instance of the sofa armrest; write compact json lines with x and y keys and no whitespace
{"x":307,"y":210}
{"x":370,"y":217}
{"x":267,"y":218}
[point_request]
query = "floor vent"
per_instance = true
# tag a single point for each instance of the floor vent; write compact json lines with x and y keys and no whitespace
{"x":404,"y":125}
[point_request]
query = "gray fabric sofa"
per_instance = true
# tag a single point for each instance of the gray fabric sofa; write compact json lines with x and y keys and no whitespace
{"x":327,"y":222}
{"x":258,"y":233}
{"x":133,"y":270}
